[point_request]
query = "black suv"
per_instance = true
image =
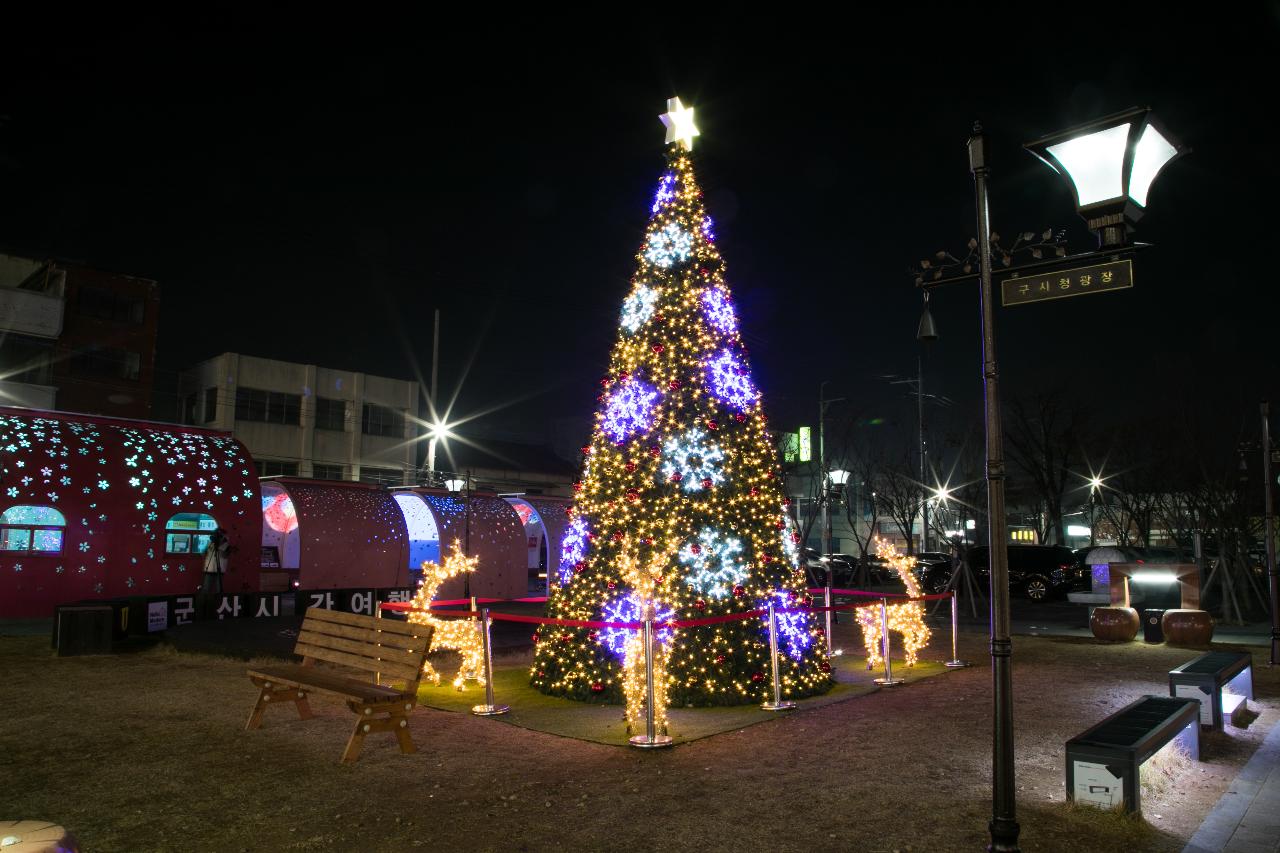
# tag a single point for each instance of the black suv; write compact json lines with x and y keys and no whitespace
{"x":1036,"y":571}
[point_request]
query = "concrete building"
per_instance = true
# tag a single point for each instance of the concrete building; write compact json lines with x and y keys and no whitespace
{"x":76,"y":339}
{"x":300,"y":420}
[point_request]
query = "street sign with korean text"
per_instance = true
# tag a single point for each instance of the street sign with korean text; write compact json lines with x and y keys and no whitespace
{"x":1020,"y":289}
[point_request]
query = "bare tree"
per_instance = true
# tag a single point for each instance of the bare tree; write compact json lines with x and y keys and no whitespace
{"x":1044,"y":442}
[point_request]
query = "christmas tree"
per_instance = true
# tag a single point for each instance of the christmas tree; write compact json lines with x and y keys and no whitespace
{"x":679,"y":506}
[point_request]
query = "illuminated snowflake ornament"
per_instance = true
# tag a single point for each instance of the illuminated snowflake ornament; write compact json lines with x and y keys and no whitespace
{"x":631,"y":609}
{"x":638,"y":308}
{"x":669,"y":245}
{"x":719,"y":310}
{"x":695,"y":460}
{"x":666,"y":191}
{"x":629,"y":410}
{"x":573,"y":549}
{"x":793,"y":628}
{"x":790,"y":537}
{"x":731,"y":382}
{"x":714,"y":563}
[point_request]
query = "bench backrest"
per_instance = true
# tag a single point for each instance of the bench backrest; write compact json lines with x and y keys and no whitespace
{"x":393,"y":648}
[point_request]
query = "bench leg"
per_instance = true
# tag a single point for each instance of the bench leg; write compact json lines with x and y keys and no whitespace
{"x":380,"y":718}
{"x":269,"y":695}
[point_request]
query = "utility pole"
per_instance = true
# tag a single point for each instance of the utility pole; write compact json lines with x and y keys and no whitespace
{"x":1273,"y":574}
{"x":924,"y":489}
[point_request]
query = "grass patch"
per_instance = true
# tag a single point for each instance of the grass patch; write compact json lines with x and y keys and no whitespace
{"x":604,"y":723}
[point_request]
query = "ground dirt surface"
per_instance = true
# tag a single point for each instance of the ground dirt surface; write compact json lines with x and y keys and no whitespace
{"x":147,"y":752}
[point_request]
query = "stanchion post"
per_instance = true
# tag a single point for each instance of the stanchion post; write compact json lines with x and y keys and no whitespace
{"x":831,"y":650}
{"x":888,"y":680}
{"x":777,"y":704}
{"x":650,"y":738}
{"x":955,"y":662}
{"x":488,"y":709}
{"x":471,"y":676}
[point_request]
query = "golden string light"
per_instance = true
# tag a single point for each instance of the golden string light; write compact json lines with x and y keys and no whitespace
{"x":906,"y":618}
{"x":460,"y":635}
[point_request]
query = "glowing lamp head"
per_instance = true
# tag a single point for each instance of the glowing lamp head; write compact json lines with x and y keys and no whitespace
{"x":1095,"y":484}
{"x":1110,"y":165}
{"x":455,"y":485}
{"x":839,"y":477}
{"x":439,"y":430}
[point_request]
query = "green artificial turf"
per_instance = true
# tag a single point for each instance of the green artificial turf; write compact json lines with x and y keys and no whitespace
{"x":532,"y":709}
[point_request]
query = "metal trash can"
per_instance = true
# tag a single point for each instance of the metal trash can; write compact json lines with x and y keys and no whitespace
{"x":1152,"y":629}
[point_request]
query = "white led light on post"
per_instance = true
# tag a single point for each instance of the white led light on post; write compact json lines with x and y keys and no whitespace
{"x":1110,"y":165}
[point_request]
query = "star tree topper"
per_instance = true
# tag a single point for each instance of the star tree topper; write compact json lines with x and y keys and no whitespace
{"x":679,"y":123}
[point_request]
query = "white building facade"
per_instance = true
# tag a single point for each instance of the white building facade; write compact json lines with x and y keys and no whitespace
{"x":306,"y":421}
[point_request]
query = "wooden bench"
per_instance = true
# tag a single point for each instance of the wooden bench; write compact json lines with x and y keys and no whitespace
{"x":1221,"y":681}
{"x":1102,"y":763}
{"x":388,"y":649}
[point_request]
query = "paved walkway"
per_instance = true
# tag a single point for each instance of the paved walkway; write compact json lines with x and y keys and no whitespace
{"x":1247,"y":818}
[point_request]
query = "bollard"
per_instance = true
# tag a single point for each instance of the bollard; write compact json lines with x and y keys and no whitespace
{"x":650,"y":738}
{"x":955,"y":662}
{"x":888,"y":680}
{"x":777,"y":704}
{"x":831,"y":652}
{"x":488,"y":709}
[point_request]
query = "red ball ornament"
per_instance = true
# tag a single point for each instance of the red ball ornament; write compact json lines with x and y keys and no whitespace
{"x":658,"y":348}
{"x":564,"y":638}
{"x":713,"y":425}
{"x":741,"y":418}
{"x":542,"y":673}
{"x":824,"y":666}
{"x":673,"y":384}
{"x":648,"y":540}
{"x":766,"y":558}
{"x":593,"y":636}
{"x":612,"y":585}
{"x":706,"y":483}
{"x":677,"y":477}
{"x":631,"y":467}
{"x":720,"y":658}
{"x":578,"y":567}
{"x":700,"y":604}
{"x":655,"y":451}
{"x":618,"y":535}
{"x":597,"y":688}
{"x":695,"y":548}
{"x":604,"y":383}
{"x":786,"y":501}
{"x":754,"y":492}
{"x":633,"y":495}
{"x":782,"y":525}
{"x":624,"y":376}
{"x":738,"y":592}
{"x":577,"y":487}
{"x":704,"y":271}
{"x":757,"y":677}
{"x":536,"y":636}
{"x":586,"y":451}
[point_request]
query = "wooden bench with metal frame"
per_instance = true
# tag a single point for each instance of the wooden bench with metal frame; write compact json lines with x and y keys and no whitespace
{"x":388,"y":649}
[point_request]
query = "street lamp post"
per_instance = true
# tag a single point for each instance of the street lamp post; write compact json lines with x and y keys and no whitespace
{"x":1110,"y":165}
{"x":1273,"y":573}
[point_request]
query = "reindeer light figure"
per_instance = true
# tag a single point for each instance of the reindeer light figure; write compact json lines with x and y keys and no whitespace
{"x":906,"y":618}
{"x":460,"y":635}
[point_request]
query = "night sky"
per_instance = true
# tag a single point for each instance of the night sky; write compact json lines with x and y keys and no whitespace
{"x":314,"y":199}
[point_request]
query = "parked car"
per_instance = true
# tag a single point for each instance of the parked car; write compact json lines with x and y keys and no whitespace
{"x":816,"y":567}
{"x":1036,"y":571}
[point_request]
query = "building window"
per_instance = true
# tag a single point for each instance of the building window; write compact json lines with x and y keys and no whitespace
{"x":329,"y":472}
{"x":110,"y":362}
{"x":379,"y":420}
{"x":106,"y":305}
{"x":31,"y":530}
{"x":210,"y":405}
{"x":188,"y":533}
{"x":331,"y":414}
{"x":381,"y":476}
{"x":274,"y":468}
{"x":272,"y":407}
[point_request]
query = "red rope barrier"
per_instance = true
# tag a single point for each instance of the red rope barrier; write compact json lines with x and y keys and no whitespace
{"x":822,"y":591}
{"x":715,"y":620}
{"x":568,"y":623}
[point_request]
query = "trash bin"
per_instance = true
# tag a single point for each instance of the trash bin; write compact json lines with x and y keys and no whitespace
{"x":1152,"y":630}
